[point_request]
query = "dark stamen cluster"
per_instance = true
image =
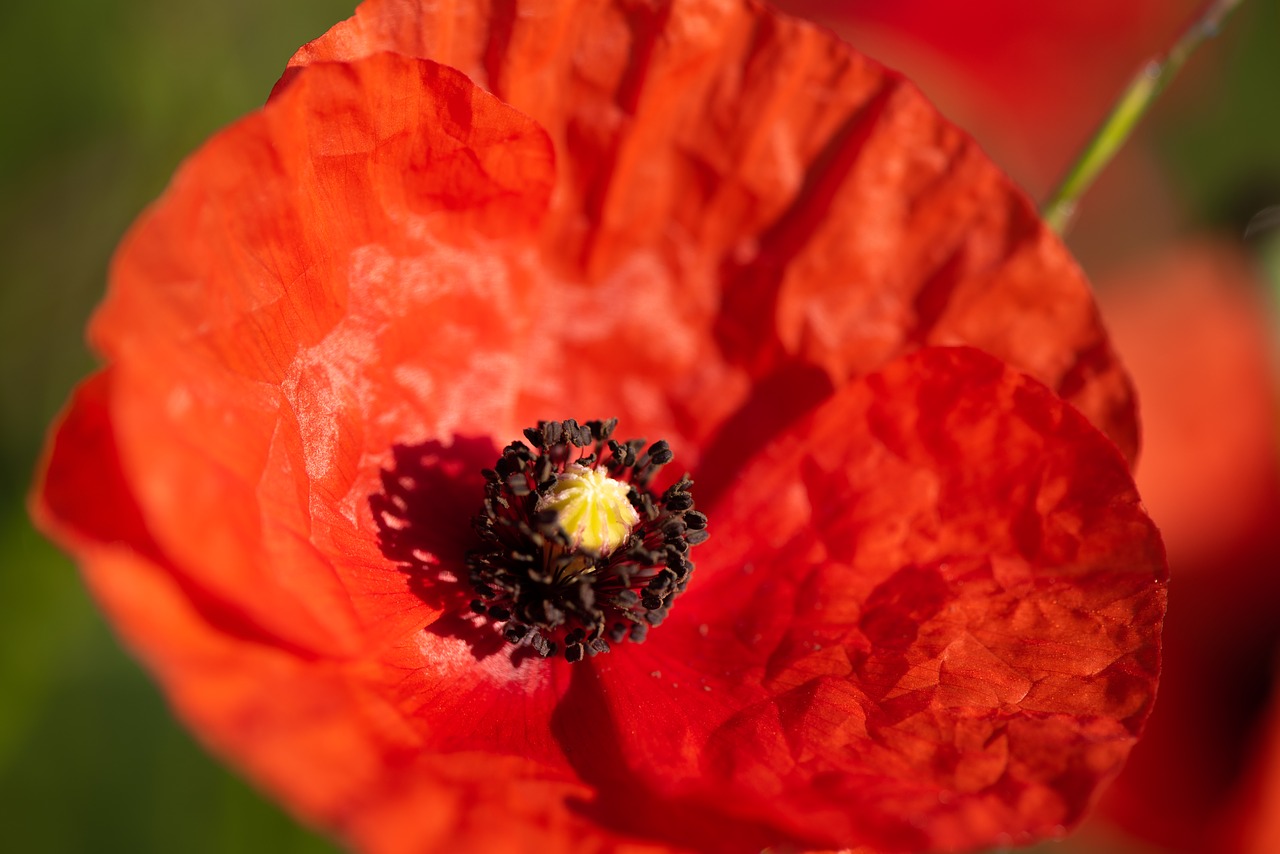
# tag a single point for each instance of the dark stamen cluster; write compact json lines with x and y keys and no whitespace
{"x":528,"y":576}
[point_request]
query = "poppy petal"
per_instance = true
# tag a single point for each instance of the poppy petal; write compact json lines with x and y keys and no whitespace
{"x":763,"y":176}
{"x":928,"y":616}
{"x":340,"y":229}
{"x":358,"y":745}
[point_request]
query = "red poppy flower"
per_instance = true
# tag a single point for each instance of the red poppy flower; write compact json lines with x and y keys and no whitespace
{"x":1031,"y":81}
{"x":1194,"y":326}
{"x":927,"y":616}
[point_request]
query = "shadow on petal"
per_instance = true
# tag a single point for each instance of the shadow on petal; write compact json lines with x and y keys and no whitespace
{"x":776,"y":402}
{"x":424,"y":516}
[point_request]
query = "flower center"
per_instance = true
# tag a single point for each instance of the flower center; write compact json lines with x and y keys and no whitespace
{"x":592,"y":508}
{"x":576,"y":552}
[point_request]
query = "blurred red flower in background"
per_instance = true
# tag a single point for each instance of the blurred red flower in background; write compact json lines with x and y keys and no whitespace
{"x":1195,"y":329}
{"x":929,"y":614}
{"x":1030,"y":81}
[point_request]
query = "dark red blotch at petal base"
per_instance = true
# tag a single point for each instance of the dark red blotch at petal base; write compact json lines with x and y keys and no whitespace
{"x":774,"y":209}
{"x":357,"y":295}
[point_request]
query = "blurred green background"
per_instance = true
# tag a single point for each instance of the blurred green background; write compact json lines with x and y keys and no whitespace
{"x":101,"y":101}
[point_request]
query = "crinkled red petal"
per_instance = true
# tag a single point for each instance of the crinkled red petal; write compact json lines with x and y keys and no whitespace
{"x":407,"y":745}
{"x":288,"y":312}
{"x":928,"y":619}
{"x":271,"y":369}
{"x":757,"y":184}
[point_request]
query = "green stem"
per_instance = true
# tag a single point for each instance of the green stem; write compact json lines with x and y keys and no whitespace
{"x":1136,"y":99}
